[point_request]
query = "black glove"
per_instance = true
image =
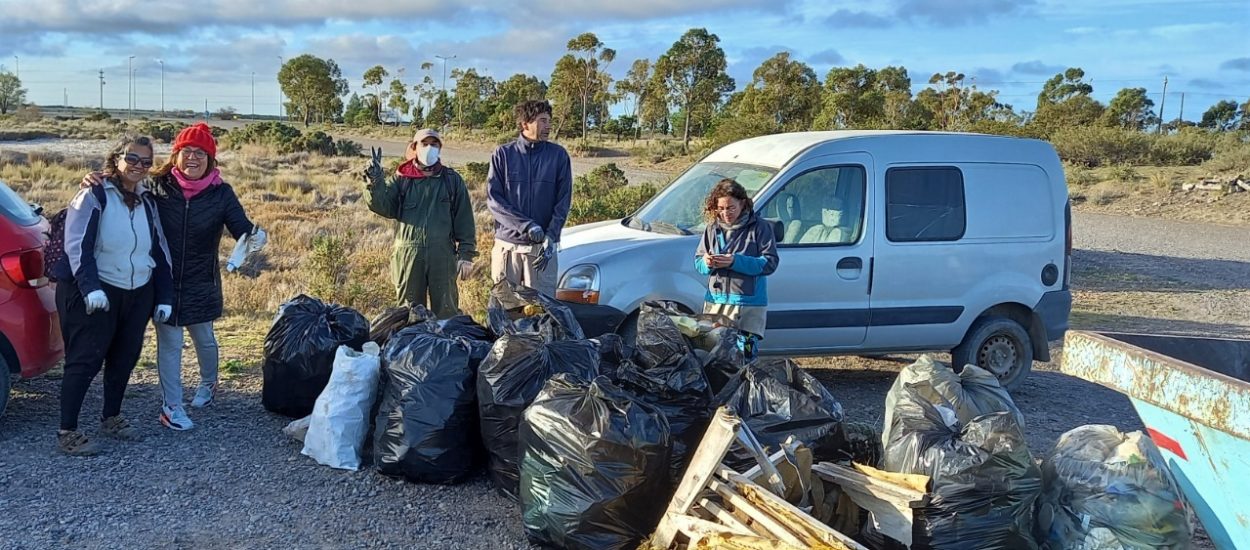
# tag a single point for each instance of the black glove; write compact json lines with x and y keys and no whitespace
{"x":541,"y":261}
{"x":535,"y":234}
{"x":373,"y":173}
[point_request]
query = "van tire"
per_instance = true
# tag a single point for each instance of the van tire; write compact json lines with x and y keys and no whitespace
{"x":6,"y":384}
{"x":999,"y":345}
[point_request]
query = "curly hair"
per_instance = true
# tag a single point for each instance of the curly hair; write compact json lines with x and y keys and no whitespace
{"x":119,"y":151}
{"x":727,"y":187}
{"x":528,"y":111}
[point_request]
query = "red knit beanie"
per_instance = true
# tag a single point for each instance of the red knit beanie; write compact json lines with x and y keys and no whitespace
{"x":197,"y":135}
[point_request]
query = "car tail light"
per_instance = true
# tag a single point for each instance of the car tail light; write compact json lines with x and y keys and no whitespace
{"x":24,"y":268}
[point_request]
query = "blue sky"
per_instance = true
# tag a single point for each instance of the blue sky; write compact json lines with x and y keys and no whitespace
{"x":211,"y":48}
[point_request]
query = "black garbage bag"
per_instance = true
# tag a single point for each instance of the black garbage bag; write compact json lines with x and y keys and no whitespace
{"x":612,"y":352}
{"x":512,"y":309}
{"x":680,"y":391}
{"x":659,"y":341}
{"x":509,"y":380}
{"x":299,"y":352}
{"x":392,"y":319}
{"x":478,"y":337}
{"x":593,"y":466}
{"x":984,"y":481}
{"x":778,"y":399}
{"x":427,"y":428}
{"x":971,"y":393}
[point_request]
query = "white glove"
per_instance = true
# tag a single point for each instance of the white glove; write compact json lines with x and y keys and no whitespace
{"x":163,"y":313}
{"x":96,"y":300}
{"x":248,"y":244}
{"x":257,"y":241}
{"x":465,"y":269}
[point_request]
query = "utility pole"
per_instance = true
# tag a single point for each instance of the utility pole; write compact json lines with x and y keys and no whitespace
{"x":101,"y":89}
{"x":1181,"y":116}
{"x":1162,"y":100}
{"x":162,"y":62}
{"x":445,"y":58}
{"x":130,"y":86}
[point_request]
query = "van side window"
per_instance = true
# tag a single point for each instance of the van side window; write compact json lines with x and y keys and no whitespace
{"x":824,"y":206}
{"x":924,"y":204}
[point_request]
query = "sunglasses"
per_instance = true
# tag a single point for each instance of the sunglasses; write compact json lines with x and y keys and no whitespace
{"x":132,"y":158}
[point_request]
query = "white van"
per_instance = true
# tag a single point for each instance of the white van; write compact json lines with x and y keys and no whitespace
{"x":890,"y":241}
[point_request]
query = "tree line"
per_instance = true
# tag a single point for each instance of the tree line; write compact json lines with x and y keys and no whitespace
{"x":686,"y":92}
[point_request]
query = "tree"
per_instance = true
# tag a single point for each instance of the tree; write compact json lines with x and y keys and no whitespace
{"x":374,"y":77}
{"x":1065,"y":102}
{"x":313,"y":86}
{"x":589,"y":77}
{"x":1220,"y":117}
{"x":517,"y":88}
{"x":440,"y":111}
{"x":1130,"y":109}
{"x":399,"y":99}
{"x":621,"y":126}
{"x":12,"y":95}
{"x":418,"y":115}
{"x":358,"y":113}
{"x":1243,"y":113}
{"x":636,"y":84}
{"x":472,"y":94}
{"x":860,"y":97}
{"x":784,"y":91}
{"x":692,"y":71}
{"x":957,"y":107}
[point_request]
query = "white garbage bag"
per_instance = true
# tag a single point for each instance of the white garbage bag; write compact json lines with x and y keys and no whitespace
{"x":339,"y":422}
{"x":297,"y":428}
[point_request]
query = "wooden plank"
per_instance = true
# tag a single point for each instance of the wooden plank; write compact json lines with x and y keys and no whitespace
{"x":1245,"y":186}
{"x":719,"y":436}
{"x":740,"y":542}
{"x":756,"y":472}
{"x":696,"y":528}
{"x":915,"y":482}
{"x":771,"y":476}
{"x":775,"y":528}
{"x":811,"y":531}
{"x":726,"y":518}
{"x":891,"y":505}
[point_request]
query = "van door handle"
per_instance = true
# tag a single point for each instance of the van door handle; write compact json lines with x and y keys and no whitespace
{"x":851,"y":263}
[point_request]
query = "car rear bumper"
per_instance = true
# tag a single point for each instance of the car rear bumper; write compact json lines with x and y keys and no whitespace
{"x":596,"y":320}
{"x":32,"y":326}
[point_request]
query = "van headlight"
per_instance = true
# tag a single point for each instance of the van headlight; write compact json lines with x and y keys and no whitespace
{"x":580,"y":284}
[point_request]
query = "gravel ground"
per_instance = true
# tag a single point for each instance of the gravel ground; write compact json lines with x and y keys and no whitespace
{"x":235,"y":481}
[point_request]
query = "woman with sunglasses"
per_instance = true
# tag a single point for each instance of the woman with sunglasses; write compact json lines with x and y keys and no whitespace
{"x":114,"y":275}
{"x":194,"y":204}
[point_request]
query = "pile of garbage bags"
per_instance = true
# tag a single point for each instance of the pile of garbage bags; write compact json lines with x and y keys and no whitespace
{"x":776,"y":399}
{"x":967,"y":437}
{"x":300,"y":350}
{"x":593,"y":466}
{"x":1105,"y":490}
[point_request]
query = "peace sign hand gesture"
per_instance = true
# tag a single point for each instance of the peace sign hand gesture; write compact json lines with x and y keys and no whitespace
{"x":373,"y":173}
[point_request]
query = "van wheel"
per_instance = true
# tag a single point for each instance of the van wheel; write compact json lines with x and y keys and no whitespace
{"x":998,"y":345}
{"x":6,"y":383}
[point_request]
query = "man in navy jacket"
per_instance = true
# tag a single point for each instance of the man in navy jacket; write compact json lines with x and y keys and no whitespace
{"x":530,"y":192}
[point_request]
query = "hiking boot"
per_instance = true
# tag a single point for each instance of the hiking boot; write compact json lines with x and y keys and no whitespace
{"x":175,"y":418}
{"x":119,"y":428}
{"x":204,"y":394}
{"x":74,"y":443}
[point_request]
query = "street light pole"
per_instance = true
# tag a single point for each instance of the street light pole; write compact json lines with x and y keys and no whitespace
{"x":130,"y":86}
{"x":445,"y":58}
{"x":162,"y":62}
{"x":279,"y":88}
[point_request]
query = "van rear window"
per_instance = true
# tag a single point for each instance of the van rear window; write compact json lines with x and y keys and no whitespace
{"x":924,"y":204}
{"x":13,"y":207}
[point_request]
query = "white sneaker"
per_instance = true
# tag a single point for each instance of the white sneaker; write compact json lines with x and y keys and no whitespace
{"x":175,"y":418}
{"x":204,"y":394}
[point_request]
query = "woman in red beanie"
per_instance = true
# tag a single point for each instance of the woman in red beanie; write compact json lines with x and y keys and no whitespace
{"x":194,"y":205}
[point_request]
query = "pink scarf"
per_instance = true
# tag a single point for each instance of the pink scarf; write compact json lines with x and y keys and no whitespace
{"x":191,"y":188}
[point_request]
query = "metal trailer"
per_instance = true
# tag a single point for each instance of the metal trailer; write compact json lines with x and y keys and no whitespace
{"x":1193,"y":395}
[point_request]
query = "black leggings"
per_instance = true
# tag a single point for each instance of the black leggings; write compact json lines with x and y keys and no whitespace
{"x":112,"y":339}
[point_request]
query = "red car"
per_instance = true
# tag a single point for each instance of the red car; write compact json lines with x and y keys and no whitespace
{"x":30,"y":331}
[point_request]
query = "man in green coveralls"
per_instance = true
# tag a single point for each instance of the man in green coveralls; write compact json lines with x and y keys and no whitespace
{"x":435,"y":237}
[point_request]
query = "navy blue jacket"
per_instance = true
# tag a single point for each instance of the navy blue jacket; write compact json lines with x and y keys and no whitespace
{"x":529,"y":183}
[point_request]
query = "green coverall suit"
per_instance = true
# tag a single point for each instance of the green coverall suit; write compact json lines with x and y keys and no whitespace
{"x":435,"y":230}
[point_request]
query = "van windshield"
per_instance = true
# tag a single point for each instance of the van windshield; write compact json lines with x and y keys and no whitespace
{"x":679,"y":207}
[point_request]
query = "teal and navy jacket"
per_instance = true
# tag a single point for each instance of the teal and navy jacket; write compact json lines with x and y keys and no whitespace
{"x":754,"y":246}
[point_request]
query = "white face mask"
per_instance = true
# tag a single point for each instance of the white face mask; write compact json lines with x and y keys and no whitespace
{"x":427,"y":155}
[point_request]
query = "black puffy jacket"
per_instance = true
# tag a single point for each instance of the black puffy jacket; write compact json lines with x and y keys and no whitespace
{"x":193,"y":229}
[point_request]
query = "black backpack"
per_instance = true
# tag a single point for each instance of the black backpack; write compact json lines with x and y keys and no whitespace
{"x":54,"y":247}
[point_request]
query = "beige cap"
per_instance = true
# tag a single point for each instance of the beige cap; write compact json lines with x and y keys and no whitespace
{"x":425,"y":133}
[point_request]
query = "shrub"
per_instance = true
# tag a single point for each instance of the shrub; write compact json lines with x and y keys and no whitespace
{"x":99,"y":115}
{"x":475,"y":173}
{"x":1100,"y":146}
{"x":616,"y":203}
{"x":603,"y":179}
{"x":160,"y":131}
{"x":1124,"y":172}
{"x":1190,"y":146}
{"x":733,"y":129}
{"x":287,"y":139}
{"x":347,"y":148}
{"x":1079,"y":176}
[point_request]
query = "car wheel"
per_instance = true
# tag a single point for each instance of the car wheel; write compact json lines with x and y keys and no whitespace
{"x":998,"y":345}
{"x":6,"y":382}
